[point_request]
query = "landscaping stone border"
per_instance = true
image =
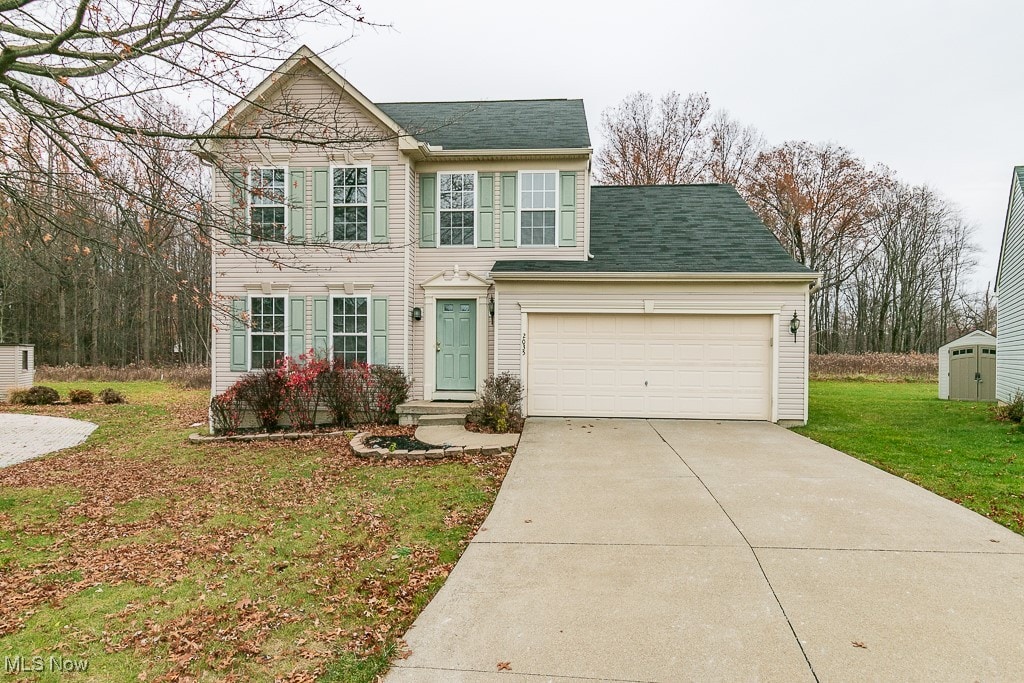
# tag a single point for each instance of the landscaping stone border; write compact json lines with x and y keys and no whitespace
{"x":360,"y":448}
{"x":278,"y":436}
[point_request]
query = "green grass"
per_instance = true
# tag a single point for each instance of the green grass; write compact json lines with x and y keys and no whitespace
{"x":151,"y":557}
{"x":956,"y":449}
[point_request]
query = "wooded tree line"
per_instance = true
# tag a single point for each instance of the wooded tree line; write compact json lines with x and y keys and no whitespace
{"x":894,"y":257}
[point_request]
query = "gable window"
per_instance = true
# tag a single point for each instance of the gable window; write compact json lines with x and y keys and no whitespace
{"x":267,"y":203}
{"x":538,"y":202}
{"x":266,"y":330}
{"x":457,"y":207}
{"x":350,"y":196}
{"x":350,"y":329}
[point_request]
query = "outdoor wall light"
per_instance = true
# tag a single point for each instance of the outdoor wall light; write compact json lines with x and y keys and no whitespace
{"x":490,"y":307}
{"x":417,"y":313}
{"x":794,"y":325}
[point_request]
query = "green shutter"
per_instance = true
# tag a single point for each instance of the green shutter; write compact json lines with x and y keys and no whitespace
{"x":485,"y":233}
{"x":296,"y":326}
{"x":379,"y":205}
{"x":508,"y":209}
{"x":567,"y":210}
{"x":428,"y":210}
{"x":321,"y":315}
{"x":321,"y":203}
{"x":297,"y":206}
{"x":239,"y":335}
{"x":236,"y":225}
{"x":379,"y":335}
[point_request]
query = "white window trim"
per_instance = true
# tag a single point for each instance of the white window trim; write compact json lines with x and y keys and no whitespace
{"x":369,"y":322}
{"x":519,"y":210}
{"x":369,"y":203}
{"x":249,"y":204}
{"x":476,"y":209}
{"x":248,"y":309}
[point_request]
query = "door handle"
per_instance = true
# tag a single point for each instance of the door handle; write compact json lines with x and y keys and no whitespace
{"x":439,"y":347}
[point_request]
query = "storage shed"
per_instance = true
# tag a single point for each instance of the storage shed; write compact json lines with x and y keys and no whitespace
{"x":17,"y":367}
{"x":967,"y":368}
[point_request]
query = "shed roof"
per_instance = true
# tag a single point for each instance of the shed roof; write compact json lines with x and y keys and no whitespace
{"x":969,"y":339}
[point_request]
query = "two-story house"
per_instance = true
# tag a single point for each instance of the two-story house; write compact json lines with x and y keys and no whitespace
{"x":466,"y":240}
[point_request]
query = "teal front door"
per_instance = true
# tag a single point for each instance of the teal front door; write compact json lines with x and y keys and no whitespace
{"x":456,"y":345}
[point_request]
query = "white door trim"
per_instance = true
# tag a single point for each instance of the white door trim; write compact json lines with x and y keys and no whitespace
{"x":453,"y":284}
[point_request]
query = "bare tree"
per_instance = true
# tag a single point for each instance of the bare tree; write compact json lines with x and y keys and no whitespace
{"x":651,"y":143}
{"x":733,"y":149}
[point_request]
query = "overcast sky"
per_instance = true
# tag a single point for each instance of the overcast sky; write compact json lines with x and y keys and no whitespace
{"x":931,"y":88}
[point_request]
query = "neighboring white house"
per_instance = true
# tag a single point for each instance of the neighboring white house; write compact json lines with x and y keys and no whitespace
{"x":466,"y":240}
{"x":1010,"y":293}
{"x":961,"y":360}
{"x":17,"y":367}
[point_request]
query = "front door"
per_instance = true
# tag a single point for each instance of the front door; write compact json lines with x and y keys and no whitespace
{"x":456,"y":345}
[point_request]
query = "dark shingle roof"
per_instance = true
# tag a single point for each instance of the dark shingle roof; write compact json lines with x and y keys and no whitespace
{"x":504,"y":124}
{"x":671,"y":229}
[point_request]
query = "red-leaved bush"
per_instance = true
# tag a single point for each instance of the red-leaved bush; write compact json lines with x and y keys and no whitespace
{"x":303,"y":386}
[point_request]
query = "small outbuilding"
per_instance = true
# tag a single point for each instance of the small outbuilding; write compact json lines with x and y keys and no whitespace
{"x":967,"y":368}
{"x":17,"y":367}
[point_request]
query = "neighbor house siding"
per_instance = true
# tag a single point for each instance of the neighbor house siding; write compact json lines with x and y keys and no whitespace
{"x":784,"y":297}
{"x":306,"y":270}
{"x":1010,"y":308}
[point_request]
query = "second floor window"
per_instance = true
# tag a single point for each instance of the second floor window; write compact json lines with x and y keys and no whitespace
{"x":350,"y":327}
{"x":538,"y":202}
{"x":351,"y":191}
{"x":267,"y":203}
{"x":458,"y":208}
{"x":266,"y":336}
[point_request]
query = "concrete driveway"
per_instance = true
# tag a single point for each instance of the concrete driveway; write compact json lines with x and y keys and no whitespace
{"x":24,"y":437}
{"x":635,"y":550}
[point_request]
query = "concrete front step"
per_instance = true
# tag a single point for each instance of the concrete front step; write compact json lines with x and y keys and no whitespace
{"x":442,"y":420}
{"x":412,"y":412}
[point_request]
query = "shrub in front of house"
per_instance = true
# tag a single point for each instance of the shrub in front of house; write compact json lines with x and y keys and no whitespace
{"x":111,"y":396}
{"x":262,"y":392}
{"x":301,"y":388}
{"x":1012,"y":410}
{"x":34,"y":396}
{"x":501,"y":404}
{"x":80,"y":396}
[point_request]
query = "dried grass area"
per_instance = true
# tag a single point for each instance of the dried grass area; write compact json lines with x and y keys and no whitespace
{"x":187,"y":376}
{"x":879,"y":367}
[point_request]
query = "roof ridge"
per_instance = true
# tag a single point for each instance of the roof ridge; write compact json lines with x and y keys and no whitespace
{"x":593,"y":187}
{"x":539,"y":99}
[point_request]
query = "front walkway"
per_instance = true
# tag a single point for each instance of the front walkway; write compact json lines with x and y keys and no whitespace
{"x":23,"y":437}
{"x":661,"y":550}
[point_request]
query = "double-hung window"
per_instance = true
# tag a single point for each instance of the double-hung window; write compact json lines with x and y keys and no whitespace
{"x":350,"y":329}
{"x":267,"y":209}
{"x":350,"y":191}
{"x":457,"y":206}
{"x":538,"y":201}
{"x":266,"y":330}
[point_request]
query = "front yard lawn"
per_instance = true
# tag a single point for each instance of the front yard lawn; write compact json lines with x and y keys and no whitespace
{"x":956,"y":449}
{"x":155,"y":559}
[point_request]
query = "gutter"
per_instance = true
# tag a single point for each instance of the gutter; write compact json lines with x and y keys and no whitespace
{"x":810,"y":277}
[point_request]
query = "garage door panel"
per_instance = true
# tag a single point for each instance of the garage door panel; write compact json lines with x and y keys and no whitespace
{"x":649,"y":366}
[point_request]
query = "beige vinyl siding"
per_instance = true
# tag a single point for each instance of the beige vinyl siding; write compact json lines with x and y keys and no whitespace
{"x":479,"y":261}
{"x":1010,"y":308}
{"x":306,"y":270}
{"x":12,"y":376}
{"x":785,"y":297}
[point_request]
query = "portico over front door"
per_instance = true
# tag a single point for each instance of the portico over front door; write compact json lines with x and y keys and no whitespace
{"x":456,"y":345}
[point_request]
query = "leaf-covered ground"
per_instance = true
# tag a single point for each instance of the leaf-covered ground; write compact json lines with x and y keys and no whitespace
{"x":957,"y":449}
{"x":160,"y":560}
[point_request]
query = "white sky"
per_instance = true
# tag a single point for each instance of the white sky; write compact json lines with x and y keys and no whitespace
{"x":931,"y":88}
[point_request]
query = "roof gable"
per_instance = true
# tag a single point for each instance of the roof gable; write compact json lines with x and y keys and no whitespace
{"x":301,"y":58}
{"x":1016,"y":192}
{"x":969,"y":339}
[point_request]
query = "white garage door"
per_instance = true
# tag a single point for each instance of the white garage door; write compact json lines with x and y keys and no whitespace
{"x":690,"y":366}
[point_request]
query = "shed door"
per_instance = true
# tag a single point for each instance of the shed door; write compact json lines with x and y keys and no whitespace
{"x":689,"y":366}
{"x":972,"y":373}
